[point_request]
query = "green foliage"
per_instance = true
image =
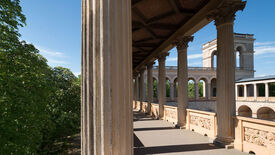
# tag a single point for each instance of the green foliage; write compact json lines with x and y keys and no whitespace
{"x":38,"y":105}
{"x":24,"y":77}
{"x":272,"y":89}
{"x":167,"y":88}
{"x":155,"y":83}
{"x":200,"y":89}
{"x":261,"y":90}
{"x":191,"y":90}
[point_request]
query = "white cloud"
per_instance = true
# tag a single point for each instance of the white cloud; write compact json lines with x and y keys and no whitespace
{"x":51,"y":53}
{"x":76,"y":73}
{"x":194,"y":56}
{"x":264,"y":50}
{"x":195,"y":63}
{"x":263,"y":43}
{"x":55,"y":58}
{"x":173,"y":59}
{"x":56,"y":62}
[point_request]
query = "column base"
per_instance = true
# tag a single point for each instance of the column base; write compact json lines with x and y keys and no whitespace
{"x":227,"y":143}
{"x":178,"y":126}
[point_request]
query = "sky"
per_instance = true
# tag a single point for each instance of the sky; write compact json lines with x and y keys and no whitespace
{"x":54,"y":27}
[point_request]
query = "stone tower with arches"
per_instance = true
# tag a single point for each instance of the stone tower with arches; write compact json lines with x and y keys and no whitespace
{"x":244,"y":55}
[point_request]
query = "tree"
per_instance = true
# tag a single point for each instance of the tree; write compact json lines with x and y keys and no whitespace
{"x":24,"y":85}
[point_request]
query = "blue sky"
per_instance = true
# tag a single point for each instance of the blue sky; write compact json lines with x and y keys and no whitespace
{"x":54,"y":27}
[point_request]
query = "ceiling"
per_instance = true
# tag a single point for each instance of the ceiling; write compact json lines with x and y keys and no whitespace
{"x":154,"y":21}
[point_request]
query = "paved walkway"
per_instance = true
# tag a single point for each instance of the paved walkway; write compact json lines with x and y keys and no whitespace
{"x":160,"y":137}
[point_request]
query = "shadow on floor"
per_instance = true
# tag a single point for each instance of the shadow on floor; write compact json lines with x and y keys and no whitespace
{"x":157,"y":128}
{"x":173,"y":148}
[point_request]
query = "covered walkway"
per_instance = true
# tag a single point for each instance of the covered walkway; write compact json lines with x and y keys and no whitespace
{"x":160,"y":137}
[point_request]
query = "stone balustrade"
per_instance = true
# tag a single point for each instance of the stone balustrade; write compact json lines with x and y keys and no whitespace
{"x":171,"y":114}
{"x":254,"y":135}
{"x":202,"y":122}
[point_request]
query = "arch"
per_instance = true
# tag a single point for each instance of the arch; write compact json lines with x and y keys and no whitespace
{"x":213,"y":87}
{"x":240,"y":47}
{"x":244,"y":111}
{"x":214,"y":58}
{"x":191,"y":88}
{"x":202,"y":87}
{"x":266,"y":113}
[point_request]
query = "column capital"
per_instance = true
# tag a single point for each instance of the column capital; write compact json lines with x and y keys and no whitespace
{"x":162,"y":56}
{"x":225,"y":13}
{"x":182,"y":42}
{"x":141,"y":71}
{"x":150,"y":64}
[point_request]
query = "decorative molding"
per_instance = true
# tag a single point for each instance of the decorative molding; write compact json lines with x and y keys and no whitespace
{"x":225,"y":13}
{"x":200,"y":122}
{"x":259,"y":137}
{"x":182,"y":42}
{"x":162,"y":56}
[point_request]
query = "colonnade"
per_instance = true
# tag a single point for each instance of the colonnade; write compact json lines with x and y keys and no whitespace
{"x":107,"y":71}
{"x":224,"y":21}
{"x":250,"y":91}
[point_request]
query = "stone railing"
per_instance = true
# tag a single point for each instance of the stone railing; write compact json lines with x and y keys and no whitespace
{"x":254,"y":135}
{"x":201,"y":122}
{"x":271,"y":99}
{"x":171,"y":114}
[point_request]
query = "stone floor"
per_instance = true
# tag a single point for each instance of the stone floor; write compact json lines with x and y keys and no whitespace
{"x":160,"y":137}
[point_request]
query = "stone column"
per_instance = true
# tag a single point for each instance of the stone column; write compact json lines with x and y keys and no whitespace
{"x":245,"y":92}
{"x":266,"y":92}
{"x":136,"y":90}
{"x":141,"y":88}
{"x":197,"y":96}
{"x":255,"y":91}
{"x":182,"y":45}
{"x":150,"y":86}
{"x":172,"y":95}
{"x":161,"y":84}
{"x":106,"y":92}
{"x":224,"y":17}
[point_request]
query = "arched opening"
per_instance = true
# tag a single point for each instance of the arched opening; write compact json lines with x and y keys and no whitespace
{"x":176,"y":87}
{"x":155,"y":88}
{"x":214,"y":59}
{"x":240,"y":91}
{"x":271,"y":87}
{"x":238,"y":57}
{"x":244,"y":111}
{"x":250,"y":90}
{"x":167,"y":83}
{"x":266,"y":113}
{"x":260,"y":90}
{"x":202,"y":88}
{"x":213,"y":87}
{"x":191,"y":88}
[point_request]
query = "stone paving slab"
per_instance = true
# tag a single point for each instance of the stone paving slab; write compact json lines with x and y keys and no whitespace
{"x":160,"y":137}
